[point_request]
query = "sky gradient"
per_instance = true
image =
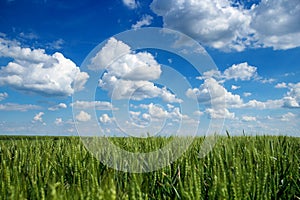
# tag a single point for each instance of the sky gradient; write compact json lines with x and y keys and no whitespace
{"x":54,"y":54}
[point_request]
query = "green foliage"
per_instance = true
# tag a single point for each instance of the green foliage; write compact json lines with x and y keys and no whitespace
{"x":261,"y":167}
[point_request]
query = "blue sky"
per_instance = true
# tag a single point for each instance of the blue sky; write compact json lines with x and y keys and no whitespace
{"x":251,"y":84}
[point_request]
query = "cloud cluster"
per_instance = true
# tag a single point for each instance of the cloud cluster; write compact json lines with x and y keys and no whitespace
{"x":218,"y":99}
{"x":129,"y":76}
{"x":292,"y":97}
{"x":34,"y":71}
{"x":83,"y":116}
{"x":212,"y":92}
{"x":222,"y":25}
{"x":156,"y":112}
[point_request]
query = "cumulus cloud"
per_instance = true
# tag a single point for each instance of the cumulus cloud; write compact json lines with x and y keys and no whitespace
{"x":18,"y":107}
{"x":219,"y":113}
{"x":131,"y":4}
{"x":109,"y":53}
{"x":212,"y":22}
{"x":3,"y":96}
{"x":222,"y":25}
{"x":83,"y":116}
{"x":130,"y":75}
{"x":146,"y":20}
{"x":212,"y":92}
{"x":57,"y":107}
{"x":34,"y":71}
{"x":215,"y":96}
{"x":38,"y":117}
{"x":105,"y":119}
{"x":292,"y":97}
{"x":241,"y":71}
{"x":157,"y":112}
{"x":58,"y":121}
{"x":98,"y":105}
{"x":277,"y":23}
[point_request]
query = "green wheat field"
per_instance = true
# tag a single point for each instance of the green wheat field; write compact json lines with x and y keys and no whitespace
{"x":240,"y":167}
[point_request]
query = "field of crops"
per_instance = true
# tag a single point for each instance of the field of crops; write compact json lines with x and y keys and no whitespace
{"x":246,"y":167}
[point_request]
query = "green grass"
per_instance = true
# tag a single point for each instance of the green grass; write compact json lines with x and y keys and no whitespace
{"x":246,"y":167}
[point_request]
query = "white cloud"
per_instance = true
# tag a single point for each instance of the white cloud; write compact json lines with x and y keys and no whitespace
{"x":18,"y":107}
{"x":265,"y":80}
{"x":157,"y":112}
{"x":83,"y":116}
{"x":57,"y":107}
{"x":3,"y":96}
{"x":146,"y":20}
{"x":219,"y":24}
{"x":38,"y":117}
{"x":219,"y":113}
{"x":58,"y":121}
{"x":35,"y":71}
{"x":248,"y":118}
{"x":129,"y":76}
{"x":57,"y":44}
{"x":210,"y":74}
{"x":292,"y":97}
{"x":198,"y":113}
{"x":241,"y":71}
{"x":105,"y":119}
{"x":212,"y":22}
{"x":109,"y":53}
{"x":131,"y":4}
{"x":288,"y":117}
{"x":134,"y":114}
{"x":29,"y":35}
{"x":277,"y":23}
{"x":235,"y":87}
{"x":98,"y":105}
{"x":247,"y":94}
{"x":212,"y":92}
{"x":290,"y":102}
{"x":281,"y":85}
{"x":269,"y":104}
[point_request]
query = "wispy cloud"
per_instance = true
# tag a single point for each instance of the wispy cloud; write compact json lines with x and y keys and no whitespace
{"x":18,"y":107}
{"x":146,"y":20}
